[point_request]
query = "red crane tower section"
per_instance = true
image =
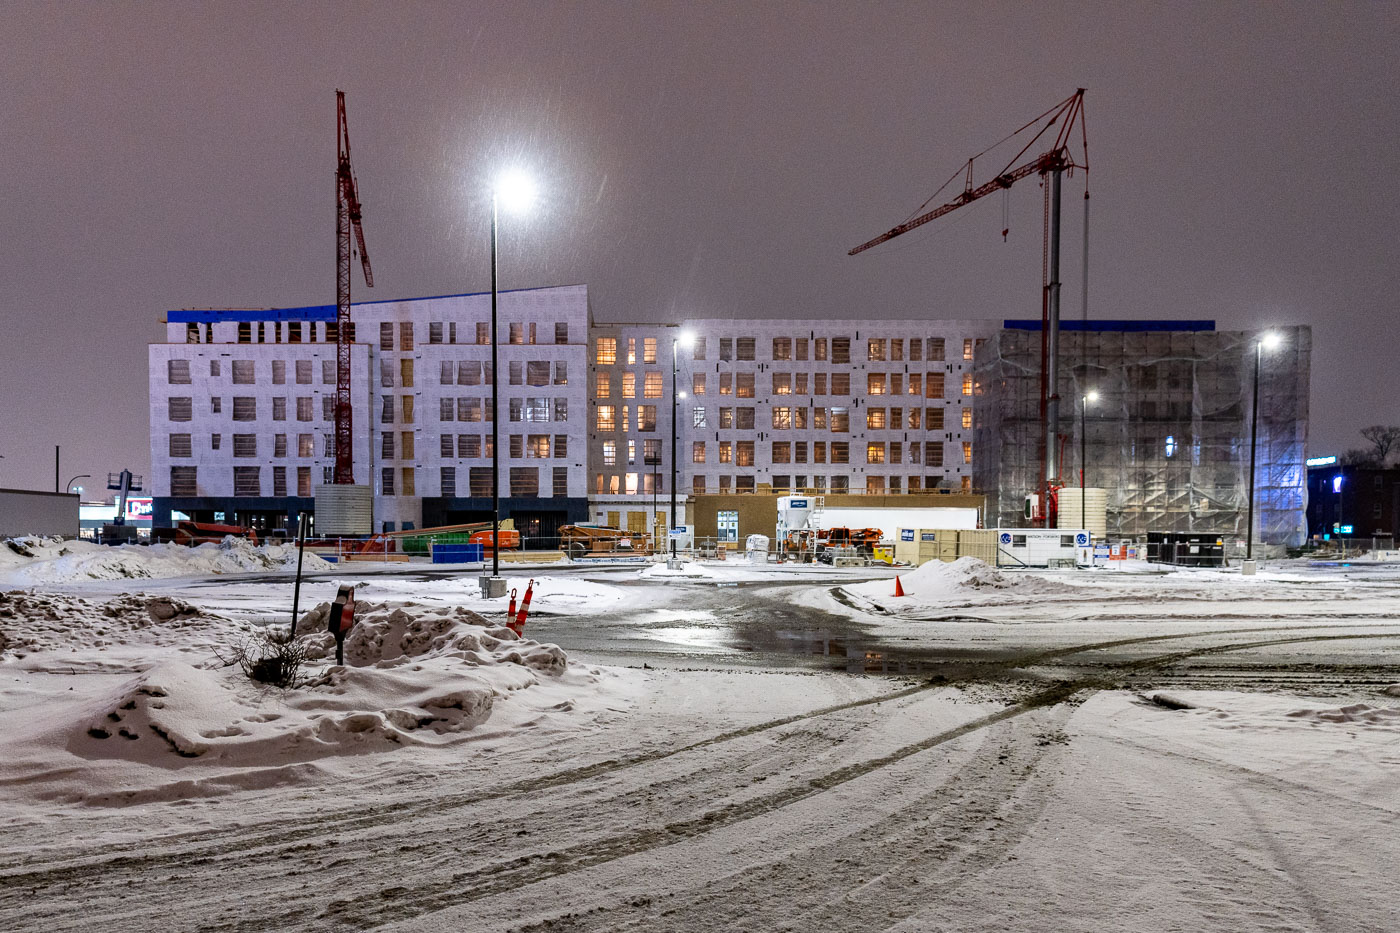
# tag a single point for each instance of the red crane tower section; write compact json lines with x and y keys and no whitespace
{"x":347,"y":218}
{"x":1054,"y":162}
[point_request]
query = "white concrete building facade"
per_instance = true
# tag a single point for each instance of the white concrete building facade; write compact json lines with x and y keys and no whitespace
{"x":242,"y":410}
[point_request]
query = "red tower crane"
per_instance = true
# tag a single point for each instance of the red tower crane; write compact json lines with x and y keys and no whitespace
{"x":1054,"y":162}
{"x":347,"y":218}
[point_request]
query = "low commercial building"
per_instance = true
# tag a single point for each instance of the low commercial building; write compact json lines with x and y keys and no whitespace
{"x":1352,"y":500}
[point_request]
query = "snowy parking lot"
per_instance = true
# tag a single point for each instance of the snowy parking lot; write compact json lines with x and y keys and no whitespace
{"x":727,"y":748}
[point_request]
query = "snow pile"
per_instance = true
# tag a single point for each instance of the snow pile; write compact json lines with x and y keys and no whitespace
{"x":1358,"y":713}
{"x":937,"y":581}
{"x":27,"y":561}
{"x":688,"y":569}
{"x":31,"y":622}
{"x":386,"y":636}
{"x":413,"y":677}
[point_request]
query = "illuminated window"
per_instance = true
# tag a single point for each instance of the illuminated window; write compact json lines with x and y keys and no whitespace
{"x":604,"y":386}
{"x":782,"y":348}
{"x":967,"y":451}
{"x":967,"y":418}
{"x":967,"y":349}
{"x":629,"y":385}
{"x":606,"y":418}
{"x":875,"y":419}
{"x":697,"y":452}
{"x":607,"y":351}
{"x":631,"y":350}
{"x":876,"y":350}
{"x":782,"y":418}
{"x":840,"y":420}
{"x":649,"y":350}
{"x":782,"y":383}
{"x":651,"y":388}
{"x":967,"y":384}
{"x":874,"y":453}
{"x":697,"y":416}
{"x":726,"y":452}
{"x":646,"y":417}
{"x":609,"y":453}
{"x":743,"y":453}
{"x":697,"y":386}
{"x":743,"y":385}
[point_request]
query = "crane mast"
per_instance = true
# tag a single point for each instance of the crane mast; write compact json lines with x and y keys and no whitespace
{"x":347,"y":221}
{"x":1054,"y":162}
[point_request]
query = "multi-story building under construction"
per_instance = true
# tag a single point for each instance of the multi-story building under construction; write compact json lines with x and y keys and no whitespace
{"x":1168,"y":434}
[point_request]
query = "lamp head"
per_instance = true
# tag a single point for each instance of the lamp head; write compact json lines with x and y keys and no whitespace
{"x":685,"y":339}
{"x":680,"y":395}
{"x":514,"y":190}
{"x":1091,"y":396}
{"x":1270,"y":339}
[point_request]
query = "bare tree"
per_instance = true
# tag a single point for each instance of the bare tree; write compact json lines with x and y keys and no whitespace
{"x":1383,"y":439}
{"x":1358,"y":456}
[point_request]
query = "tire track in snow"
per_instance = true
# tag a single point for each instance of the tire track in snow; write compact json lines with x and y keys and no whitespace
{"x":536,"y":867}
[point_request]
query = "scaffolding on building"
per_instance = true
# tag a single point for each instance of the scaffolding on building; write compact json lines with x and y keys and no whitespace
{"x":1169,"y":433}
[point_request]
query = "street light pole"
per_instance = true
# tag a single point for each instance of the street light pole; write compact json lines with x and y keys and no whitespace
{"x":1090,"y":396}
{"x":69,"y":485}
{"x":495,"y":399}
{"x":672,"y":525}
{"x":682,"y":339}
{"x":1259,"y":343}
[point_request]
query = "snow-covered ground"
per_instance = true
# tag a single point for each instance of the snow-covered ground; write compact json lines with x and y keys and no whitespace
{"x":453,"y":776}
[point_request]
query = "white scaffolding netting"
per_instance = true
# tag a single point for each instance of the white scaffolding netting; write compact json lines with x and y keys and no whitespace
{"x":1168,"y":436}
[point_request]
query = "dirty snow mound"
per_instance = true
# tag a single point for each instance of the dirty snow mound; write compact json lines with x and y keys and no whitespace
{"x":32,"y":560}
{"x":414,"y":676}
{"x":31,"y":622}
{"x":388,"y":636}
{"x":1358,"y":713}
{"x":967,"y":576}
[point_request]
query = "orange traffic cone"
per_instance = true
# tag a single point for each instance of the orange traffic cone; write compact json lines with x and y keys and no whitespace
{"x":898,"y":589}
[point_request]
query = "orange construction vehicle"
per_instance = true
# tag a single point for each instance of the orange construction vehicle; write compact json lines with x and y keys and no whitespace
{"x":192,"y":533}
{"x":582,"y":540}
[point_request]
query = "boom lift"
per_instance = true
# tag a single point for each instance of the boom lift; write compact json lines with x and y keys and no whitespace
{"x":1054,"y":162}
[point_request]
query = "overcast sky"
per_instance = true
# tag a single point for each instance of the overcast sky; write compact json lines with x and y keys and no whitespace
{"x":697,"y":160}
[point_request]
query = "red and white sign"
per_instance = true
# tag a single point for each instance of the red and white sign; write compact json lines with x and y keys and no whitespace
{"x":138,"y":508}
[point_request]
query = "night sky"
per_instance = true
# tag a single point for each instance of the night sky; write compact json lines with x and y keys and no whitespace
{"x":696,"y":160}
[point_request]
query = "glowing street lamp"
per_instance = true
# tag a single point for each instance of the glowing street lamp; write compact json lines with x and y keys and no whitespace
{"x":1090,"y":396}
{"x":1265,"y":341}
{"x":516,"y":191}
{"x":684,"y":339}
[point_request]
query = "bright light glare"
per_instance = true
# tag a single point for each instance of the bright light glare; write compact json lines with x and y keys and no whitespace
{"x":681,"y":395}
{"x":514,"y":190}
{"x":685,"y":339}
{"x":1270,"y":340}
{"x":1091,"y":396}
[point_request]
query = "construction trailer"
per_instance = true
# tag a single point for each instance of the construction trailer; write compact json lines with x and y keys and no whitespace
{"x":1042,"y":547}
{"x":918,"y":546}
